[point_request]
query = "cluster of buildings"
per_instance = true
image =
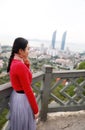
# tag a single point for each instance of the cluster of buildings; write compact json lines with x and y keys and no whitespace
{"x":63,"y":58}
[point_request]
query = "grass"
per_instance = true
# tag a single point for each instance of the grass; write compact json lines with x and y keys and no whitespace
{"x":3,"y":118}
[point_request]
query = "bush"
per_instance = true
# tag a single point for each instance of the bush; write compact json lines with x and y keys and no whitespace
{"x":81,"y":65}
{"x":3,"y":118}
{"x":4,"y":79}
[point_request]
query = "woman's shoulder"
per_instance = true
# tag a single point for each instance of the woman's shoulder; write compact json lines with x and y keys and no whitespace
{"x":18,"y":64}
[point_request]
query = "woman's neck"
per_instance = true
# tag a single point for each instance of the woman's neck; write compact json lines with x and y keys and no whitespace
{"x":17,"y":57}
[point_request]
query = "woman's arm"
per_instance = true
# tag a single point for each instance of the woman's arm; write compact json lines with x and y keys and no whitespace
{"x":24,"y":78}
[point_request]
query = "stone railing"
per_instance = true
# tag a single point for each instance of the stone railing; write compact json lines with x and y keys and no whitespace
{"x":55,"y":91}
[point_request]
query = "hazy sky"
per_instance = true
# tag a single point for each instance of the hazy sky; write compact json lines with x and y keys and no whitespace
{"x":39,"y":18}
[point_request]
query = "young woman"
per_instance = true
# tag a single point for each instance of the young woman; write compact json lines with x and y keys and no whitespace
{"x":23,"y":105}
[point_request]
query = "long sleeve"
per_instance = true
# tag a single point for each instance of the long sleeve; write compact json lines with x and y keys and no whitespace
{"x":24,"y":79}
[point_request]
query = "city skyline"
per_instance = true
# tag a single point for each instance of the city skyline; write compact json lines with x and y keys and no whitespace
{"x":75,"y":47}
{"x":38,"y":19}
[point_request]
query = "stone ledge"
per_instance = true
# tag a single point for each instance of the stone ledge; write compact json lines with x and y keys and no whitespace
{"x":60,"y":120}
{"x":6,"y":126}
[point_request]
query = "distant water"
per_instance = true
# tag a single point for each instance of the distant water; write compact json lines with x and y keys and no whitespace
{"x":75,"y":47}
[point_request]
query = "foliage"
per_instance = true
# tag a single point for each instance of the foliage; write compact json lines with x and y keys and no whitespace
{"x":69,"y":91}
{"x":80,"y":80}
{"x":3,"y":118}
{"x":37,"y":64}
{"x":57,"y":93}
{"x":81,"y":65}
{"x":1,"y":70}
{"x":38,"y":84}
{"x":4,"y":79}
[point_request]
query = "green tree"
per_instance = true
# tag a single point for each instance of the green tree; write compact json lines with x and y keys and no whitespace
{"x":81,"y":65}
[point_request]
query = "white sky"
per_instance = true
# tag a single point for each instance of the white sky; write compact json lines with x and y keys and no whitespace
{"x":39,"y":18}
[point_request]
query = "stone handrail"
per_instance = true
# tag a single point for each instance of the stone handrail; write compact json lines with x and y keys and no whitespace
{"x":44,"y":83}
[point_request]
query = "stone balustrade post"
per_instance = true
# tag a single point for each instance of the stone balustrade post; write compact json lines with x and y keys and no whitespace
{"x":46,"y":90}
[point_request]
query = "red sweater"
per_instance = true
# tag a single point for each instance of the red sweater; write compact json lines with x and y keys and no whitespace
{"x":21,"y":79}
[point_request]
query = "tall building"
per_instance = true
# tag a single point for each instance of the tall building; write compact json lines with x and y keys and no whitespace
{"x":63,"y":40}
{"x":42,"y":48}
{"x":53,"y":39}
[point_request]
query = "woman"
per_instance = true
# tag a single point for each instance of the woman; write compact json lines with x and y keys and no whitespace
{"x":23,"y":105}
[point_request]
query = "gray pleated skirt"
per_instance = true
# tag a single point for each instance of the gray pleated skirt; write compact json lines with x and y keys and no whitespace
{"x":21,"y":115}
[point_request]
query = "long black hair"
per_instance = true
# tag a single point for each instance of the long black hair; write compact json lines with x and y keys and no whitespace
{"x":19,"y":43}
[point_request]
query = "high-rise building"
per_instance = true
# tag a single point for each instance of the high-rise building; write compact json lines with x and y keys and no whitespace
{"x":42,"y":48}
{"x":63,"y":40}
{"x":53,"y":39}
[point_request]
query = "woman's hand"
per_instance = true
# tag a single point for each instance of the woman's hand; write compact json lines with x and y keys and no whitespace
{"x":37,"y":115}
{"x":26,"y":61}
